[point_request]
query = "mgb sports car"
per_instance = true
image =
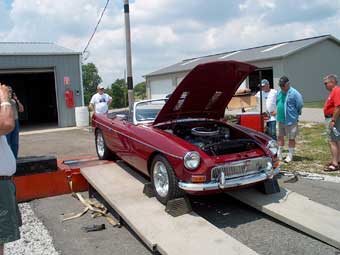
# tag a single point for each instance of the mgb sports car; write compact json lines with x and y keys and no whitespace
{"x":182,"y":142}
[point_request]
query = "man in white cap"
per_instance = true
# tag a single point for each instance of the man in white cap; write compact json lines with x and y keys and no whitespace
{"x":269,"y":103}
{"x":100,"y":101}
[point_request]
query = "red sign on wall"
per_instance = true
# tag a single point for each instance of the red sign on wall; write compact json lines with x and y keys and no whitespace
{"x":67,"y":81}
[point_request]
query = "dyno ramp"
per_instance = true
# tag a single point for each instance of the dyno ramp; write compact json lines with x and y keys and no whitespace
{"x":298,"y":211}
{"x":186,"y":234}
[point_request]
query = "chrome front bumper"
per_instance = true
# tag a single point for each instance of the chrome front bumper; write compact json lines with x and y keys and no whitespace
{"x":232,"y":183}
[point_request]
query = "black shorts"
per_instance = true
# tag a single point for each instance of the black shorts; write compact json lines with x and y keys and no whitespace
{"x":10,"y":217}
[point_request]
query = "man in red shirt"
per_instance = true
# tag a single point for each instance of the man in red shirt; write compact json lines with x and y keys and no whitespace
{"x":332,"y":120}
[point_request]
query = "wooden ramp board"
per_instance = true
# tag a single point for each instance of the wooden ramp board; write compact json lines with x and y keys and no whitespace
{"x":186,"y":234}
{"x":298,"y":211}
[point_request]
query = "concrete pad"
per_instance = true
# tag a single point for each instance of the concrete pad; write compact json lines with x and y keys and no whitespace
{"x":186,"y":234}
{"x":298,"y":211}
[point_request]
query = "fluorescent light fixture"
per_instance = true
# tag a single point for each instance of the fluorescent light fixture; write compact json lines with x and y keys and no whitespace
{"x":229,"y":54}
{"x":274,"y":47}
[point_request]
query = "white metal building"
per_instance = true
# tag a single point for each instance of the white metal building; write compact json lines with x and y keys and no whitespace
{"x":304,"y":61}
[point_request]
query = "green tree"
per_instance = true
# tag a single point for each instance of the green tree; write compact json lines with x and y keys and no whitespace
{"x":140,"y":90}
{"x":119,"y":94}
{"x":91,"y":79}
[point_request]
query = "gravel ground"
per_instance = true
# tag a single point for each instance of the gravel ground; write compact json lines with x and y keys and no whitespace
{"x":35,"y":238}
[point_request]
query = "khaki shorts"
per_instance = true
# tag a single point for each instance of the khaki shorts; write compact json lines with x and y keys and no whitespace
{"x":291,"y":131}
{"x":330,"y":133}
{"x":10,"y":217}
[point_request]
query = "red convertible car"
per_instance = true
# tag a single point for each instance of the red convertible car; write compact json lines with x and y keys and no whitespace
{"x":182,"y":143}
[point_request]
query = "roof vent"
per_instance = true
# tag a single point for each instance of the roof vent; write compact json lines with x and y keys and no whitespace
{"x":190,"y":61}
{"x":274,"y":47}
{"x":229,"y":54}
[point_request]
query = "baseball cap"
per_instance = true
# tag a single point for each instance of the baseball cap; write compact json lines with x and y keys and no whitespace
{"x":100,"y":86}
{"x":283,"y":80}
{"x":264,"y":82}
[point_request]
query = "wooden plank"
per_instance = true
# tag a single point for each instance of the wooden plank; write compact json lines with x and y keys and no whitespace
{"x":298,"y":211}
{"x":186,"y":234}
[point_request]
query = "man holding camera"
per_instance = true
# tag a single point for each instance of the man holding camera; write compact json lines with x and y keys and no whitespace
{"x":13,"y":137}
{"x":10,"y":218}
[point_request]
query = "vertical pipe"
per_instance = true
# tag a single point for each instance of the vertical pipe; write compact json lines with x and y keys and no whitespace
{"x":128,"y":54}
{"x":261,"y":100}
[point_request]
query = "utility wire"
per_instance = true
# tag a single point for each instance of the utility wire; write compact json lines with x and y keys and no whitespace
{"x":95,"y":29}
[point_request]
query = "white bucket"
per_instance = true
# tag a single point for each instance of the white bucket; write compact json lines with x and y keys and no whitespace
{"x":82,"y":116}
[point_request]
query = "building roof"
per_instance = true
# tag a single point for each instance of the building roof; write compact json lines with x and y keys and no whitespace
{"x":265,"y":52}
{"x":34,"y":48}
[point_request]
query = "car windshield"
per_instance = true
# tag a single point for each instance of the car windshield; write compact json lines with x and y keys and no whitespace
{"x":147,"y":111}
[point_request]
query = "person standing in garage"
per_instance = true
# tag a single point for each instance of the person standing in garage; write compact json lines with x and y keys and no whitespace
{"x":13,"y":137}
{"x":10,"y":217}
{"x":269,"y":96}
{"x":100,"y":101}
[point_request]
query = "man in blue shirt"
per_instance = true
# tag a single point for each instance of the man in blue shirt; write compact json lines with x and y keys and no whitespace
{"x":289,"y":104}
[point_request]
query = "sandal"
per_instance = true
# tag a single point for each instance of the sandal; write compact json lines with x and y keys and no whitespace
{"x":331,"y":168}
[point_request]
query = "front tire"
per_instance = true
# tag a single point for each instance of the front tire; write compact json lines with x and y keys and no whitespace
{"x":103,"y":151}
{"x":164,"y":180}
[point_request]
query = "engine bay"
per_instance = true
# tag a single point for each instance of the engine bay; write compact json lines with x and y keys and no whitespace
{"x":213,"y":138}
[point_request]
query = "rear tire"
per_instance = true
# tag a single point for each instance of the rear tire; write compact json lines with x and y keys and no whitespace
{"x":103,"y":151}
{"x":164,"y":180}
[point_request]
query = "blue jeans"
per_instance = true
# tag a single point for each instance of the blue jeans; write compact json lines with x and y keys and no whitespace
{"x":13,"y":139}
{"x":271,"y":129}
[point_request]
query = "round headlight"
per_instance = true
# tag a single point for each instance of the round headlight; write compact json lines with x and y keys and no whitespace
{"x":192,"y":160}
{"x":272,"y":146}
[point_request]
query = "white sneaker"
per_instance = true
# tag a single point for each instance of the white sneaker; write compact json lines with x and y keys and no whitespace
{"x":288,"y":159}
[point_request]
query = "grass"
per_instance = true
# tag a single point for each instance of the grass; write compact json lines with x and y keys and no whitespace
{"x":315,"y":104}
{"x":312,"y":151}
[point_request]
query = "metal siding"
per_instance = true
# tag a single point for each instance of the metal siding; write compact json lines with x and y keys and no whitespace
{"x":161,"y":87}
{"x":64,"y":65}
{"x":307,"y":68}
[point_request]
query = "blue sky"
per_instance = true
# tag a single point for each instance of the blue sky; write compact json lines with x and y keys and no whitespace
{"x":165,"y":31}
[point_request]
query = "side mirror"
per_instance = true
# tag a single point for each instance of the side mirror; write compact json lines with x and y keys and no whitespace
{"x":122,"y":117}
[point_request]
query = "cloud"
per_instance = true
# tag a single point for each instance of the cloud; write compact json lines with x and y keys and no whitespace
{"x":166,"y":31}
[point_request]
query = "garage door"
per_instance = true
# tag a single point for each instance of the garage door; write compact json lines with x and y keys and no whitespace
{"x":36,"y":90}
{"x":160,"y":88}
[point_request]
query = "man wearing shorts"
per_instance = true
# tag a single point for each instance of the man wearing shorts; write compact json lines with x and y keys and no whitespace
{"x":332,"y":111}
{"x":10,"y":218}
{"x":289,"y":104}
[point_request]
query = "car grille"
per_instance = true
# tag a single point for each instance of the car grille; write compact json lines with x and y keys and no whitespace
{"x":240,"y":168}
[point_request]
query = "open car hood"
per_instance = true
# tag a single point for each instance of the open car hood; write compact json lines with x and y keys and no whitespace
{"x":205,"y":92}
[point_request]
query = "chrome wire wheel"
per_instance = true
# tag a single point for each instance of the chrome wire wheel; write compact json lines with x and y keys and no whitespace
{"x":100,"y":144}
{"x":161,"y":179}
